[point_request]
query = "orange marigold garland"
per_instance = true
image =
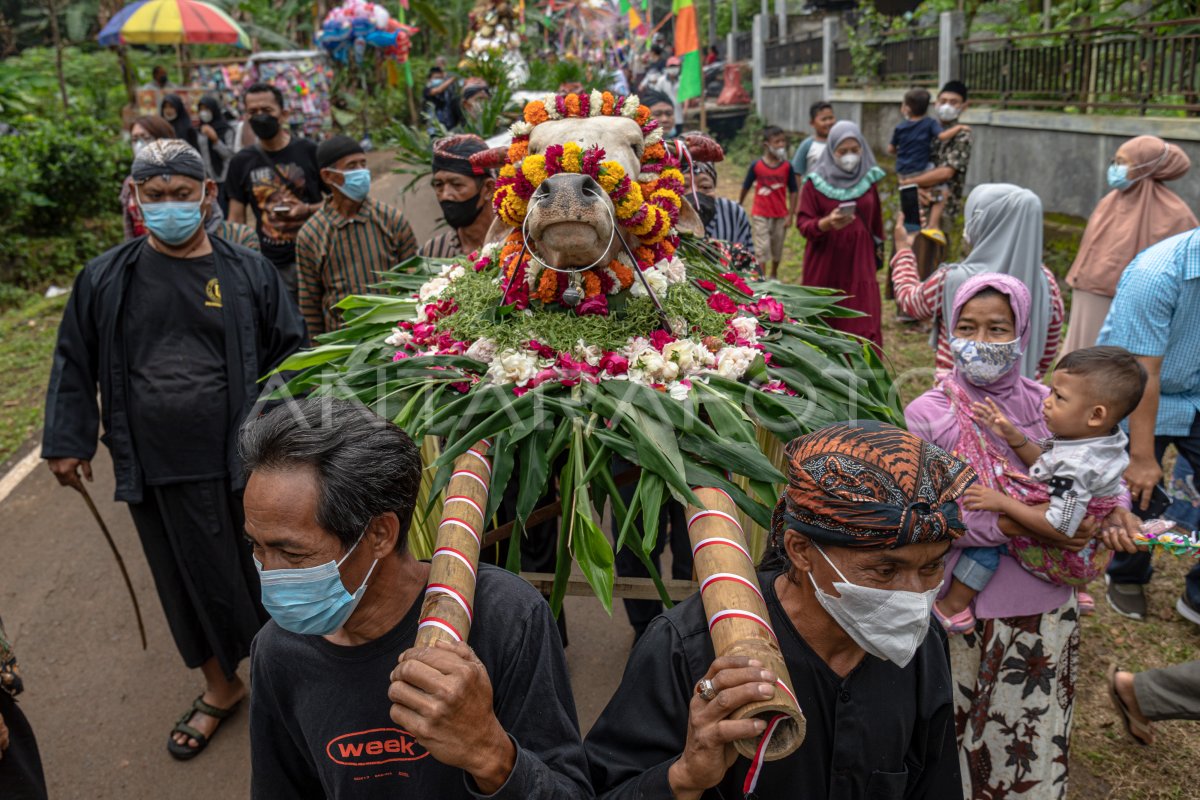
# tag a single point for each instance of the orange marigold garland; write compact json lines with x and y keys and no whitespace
{"x":649,"y":209}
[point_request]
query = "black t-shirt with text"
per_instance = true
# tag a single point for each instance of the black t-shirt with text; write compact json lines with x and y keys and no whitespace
{"x":266,"y":180}
{"x":178,"y":373}
{"x":320,"y":727}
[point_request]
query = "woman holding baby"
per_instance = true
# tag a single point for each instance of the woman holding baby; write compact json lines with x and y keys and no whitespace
{"x":1016,"y":616}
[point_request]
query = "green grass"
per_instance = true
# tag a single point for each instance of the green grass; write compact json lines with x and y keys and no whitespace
{"x":27,"y":336}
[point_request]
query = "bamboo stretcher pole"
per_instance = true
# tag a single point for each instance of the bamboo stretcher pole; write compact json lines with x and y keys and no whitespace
{"x":449,"y":606}
{"x":739,"y":622}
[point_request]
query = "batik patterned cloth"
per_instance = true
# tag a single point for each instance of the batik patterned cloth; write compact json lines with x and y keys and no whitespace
{"x":872,"y":485}
{"x":1014,"y":690}
{"x":956,"y":154}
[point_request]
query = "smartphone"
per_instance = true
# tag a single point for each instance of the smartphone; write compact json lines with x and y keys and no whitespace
{"x":910,"y":206}
{"x":1159,"y":500}
{"x":847,"y":209}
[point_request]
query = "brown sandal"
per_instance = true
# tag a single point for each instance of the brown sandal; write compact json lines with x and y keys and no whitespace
{"x":1140,"y":732}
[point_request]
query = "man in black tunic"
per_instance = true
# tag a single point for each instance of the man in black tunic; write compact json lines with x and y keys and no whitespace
{"x":175,"y":328}
{"x":855,"y":561}
{"x":328,"y":504}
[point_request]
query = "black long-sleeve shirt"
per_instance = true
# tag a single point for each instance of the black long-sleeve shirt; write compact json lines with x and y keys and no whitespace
{"x":261,"y":327}
{"x":880,"y":733}
{"x":319,"y":723}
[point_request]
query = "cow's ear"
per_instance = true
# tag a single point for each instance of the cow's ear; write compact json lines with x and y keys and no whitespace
{"x":689,"y":221}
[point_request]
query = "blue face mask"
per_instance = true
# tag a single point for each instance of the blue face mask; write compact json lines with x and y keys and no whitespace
{"x":1118,"y":176}
{"x":172,"y":223}
{"x":356,"y":183}
{"x":310,"y":601}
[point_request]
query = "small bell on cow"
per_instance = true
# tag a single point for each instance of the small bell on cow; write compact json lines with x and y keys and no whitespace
{"x":573,"y":294}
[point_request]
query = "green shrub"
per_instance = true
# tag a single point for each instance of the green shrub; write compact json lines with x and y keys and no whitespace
{"x":58,"y":171}
{"x":30,"y":262}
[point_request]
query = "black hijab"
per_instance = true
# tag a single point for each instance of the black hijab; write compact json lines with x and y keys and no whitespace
{"x":219,"y":123}
{"x":182,"y":122}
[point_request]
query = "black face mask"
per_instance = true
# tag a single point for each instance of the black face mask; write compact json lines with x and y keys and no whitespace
{"x":461,"y":213}
{"x":264,"y":126}
{"x":707,"y":208}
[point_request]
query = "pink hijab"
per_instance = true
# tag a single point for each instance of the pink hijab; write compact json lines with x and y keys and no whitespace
{"x":1127,"y":221}
{"x":1019,"y":397}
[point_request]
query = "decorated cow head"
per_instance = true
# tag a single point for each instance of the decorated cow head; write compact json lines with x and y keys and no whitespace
{"x":588,"y":193}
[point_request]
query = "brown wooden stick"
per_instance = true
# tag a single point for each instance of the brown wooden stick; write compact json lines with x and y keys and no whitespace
{"x":137,"y":610}
{"x":738,"y":619}
{"x":449,"y":606}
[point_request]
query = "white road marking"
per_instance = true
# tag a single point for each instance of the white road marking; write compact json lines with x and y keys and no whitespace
{"x":18,"y":473}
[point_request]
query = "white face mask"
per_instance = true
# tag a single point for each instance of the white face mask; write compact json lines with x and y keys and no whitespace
{"x":779,"y":152}
{"x":206,"y":115}
{"x":888,"y":624}
{"x":984,"y":363}
{"x":947,"y":112}
{"x":849,"y":161}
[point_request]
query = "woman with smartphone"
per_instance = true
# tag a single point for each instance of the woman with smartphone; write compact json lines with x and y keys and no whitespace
{"x":842,"y":222}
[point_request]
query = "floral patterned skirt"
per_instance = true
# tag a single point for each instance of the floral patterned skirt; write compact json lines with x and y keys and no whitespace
{"x":1014,"y":693}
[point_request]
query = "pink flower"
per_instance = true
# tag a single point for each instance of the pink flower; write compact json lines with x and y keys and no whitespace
{"x":719,"y":301}
{"x":543,"y":350}
{"x":660,"y":339}
{"x":482,"y":264}
{"x":614,"y":364}
{"x":440,"y":310}
{"x":423,"y":332}
{"x":543,"y":376}
{"x":463,"y":387}
{"x":520,"y":390}
{"x":596,"y":305}
{"x":400,"y":356}
{"x":707,"y":286}
{"x":770,"y":308}
{"x":738,"y":282}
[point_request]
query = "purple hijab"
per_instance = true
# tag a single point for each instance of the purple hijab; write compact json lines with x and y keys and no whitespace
{"x":1019,"y":397}
{"x":1012,"y":591}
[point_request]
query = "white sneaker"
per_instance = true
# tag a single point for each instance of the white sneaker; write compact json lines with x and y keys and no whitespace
{"x":1187,"y":611}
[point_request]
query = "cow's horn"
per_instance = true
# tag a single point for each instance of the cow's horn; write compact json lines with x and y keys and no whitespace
{"x":703,"y":148}
{"x":489,"y":159}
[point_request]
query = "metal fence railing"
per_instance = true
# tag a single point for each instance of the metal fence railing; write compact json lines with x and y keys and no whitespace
{"x":912,"y":61}
{"x":800,"y":55}
{"x":903,"y":62}
{"x":743,"y":46}
{"x":1144,"y":68}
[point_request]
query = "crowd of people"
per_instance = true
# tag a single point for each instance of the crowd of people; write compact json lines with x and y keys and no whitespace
{"x":932,"y":642}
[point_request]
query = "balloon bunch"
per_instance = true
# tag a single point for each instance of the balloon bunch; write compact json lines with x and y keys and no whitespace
{"x":356,"y":25}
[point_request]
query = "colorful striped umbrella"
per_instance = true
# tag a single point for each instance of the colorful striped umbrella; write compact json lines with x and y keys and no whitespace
{"x":172,"y":22}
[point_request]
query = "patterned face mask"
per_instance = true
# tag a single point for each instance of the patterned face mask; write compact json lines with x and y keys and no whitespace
{"x":982,"y":363}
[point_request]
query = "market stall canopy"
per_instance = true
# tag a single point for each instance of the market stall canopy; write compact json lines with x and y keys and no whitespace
{"x":172,"y":22}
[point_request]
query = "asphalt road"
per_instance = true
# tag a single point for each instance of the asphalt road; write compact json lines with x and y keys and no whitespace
{"x":100,"y":705}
